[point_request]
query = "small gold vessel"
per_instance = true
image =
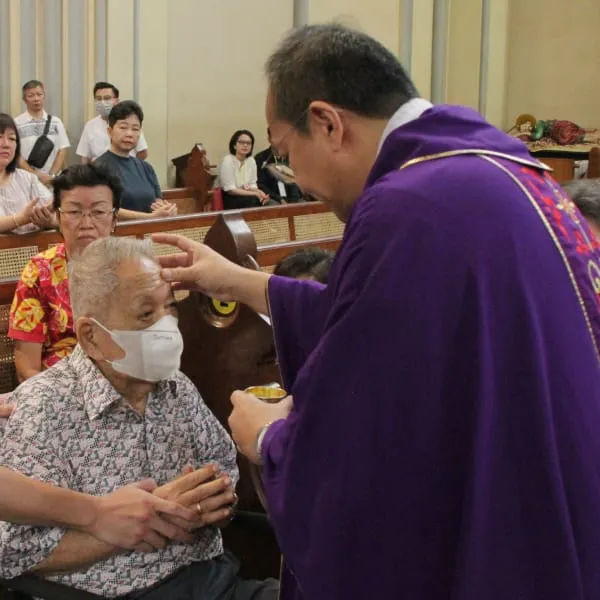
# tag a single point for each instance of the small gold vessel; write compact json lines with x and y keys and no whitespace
{"x":270,"y":392}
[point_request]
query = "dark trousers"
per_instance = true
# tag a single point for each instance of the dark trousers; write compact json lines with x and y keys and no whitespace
{"x":214,"y":579}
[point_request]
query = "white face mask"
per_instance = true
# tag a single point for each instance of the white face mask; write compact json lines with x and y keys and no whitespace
{"x":151,"y":354}
{"x":103,"y":107}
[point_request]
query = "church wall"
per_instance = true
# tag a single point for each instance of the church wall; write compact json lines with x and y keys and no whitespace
{"x":196,"y":66}
{"x":216,"y":54}
{"x":554,"y":60}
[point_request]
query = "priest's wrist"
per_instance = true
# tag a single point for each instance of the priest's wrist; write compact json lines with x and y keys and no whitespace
{"x":259,"y":441}
{"x":248,"y":287}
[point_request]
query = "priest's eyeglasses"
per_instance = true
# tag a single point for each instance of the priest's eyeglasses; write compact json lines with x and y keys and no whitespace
{"x":96,"y":214}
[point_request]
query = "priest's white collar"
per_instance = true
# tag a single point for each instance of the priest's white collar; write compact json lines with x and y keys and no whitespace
{"x":409,"y":111}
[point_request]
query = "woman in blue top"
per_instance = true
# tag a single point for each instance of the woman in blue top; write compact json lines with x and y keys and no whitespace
{"x":142,"y":197}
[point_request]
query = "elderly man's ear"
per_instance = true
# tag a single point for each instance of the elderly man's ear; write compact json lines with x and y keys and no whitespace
{"x":86,"y":334}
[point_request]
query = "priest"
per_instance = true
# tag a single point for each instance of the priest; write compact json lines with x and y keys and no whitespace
{"x":443,"y":440}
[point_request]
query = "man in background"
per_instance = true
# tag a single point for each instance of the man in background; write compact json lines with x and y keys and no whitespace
{"x":273,"y":183}
{"x":94,"y":140}
{"x":32,"y":124}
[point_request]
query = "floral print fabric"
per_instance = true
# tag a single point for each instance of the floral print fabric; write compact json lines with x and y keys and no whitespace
{"x":41,"y":309}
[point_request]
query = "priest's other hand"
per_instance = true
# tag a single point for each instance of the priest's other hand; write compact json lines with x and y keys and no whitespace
{"x":249,"y":416}
{"x":132,"y":518}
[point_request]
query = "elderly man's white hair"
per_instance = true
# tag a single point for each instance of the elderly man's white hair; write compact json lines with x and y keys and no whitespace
{"x":93,"y":274}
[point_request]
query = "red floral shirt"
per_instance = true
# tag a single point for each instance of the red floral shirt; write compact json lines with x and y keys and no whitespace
{"x":41,"y":309}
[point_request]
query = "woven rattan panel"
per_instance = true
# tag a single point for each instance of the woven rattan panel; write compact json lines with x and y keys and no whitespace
{"x":194,"y":233}
{"x":270,"y":231}
{"x":4,"y":314}
{"x":319,"y":225}
{"x":12,"y":260}
{"x":8,"y":376}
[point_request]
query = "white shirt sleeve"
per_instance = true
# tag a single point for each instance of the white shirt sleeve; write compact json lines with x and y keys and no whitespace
{"x":62,"y":140}
{"x":252,"y":173}
{"x":142,"y":144}
{"x":83,"y":148}
{"x":40,"y":190}
{"x":227,"y":174}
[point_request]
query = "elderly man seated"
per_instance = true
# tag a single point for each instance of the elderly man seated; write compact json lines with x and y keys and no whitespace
{"x":116,"y":411}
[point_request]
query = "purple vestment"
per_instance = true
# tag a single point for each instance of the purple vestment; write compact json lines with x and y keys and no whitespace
{"x":445,"y":438}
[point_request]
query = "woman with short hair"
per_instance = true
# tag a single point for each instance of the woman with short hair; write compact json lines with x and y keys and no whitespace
{"x":238,"y":176}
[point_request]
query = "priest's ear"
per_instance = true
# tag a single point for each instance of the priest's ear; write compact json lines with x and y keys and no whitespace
{"x":326,"y":119}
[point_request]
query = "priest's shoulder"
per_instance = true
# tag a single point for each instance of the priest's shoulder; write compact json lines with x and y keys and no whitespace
{"x":441,"y":199}
{"x":437,"y":189}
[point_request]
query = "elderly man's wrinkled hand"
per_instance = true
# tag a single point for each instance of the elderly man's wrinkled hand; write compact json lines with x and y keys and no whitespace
{"x":205,"y":491}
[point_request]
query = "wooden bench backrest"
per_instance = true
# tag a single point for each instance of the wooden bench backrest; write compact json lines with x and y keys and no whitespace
{"x":270,"y":225}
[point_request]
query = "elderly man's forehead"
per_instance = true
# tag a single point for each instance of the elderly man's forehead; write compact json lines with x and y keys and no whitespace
{"x":138,"y":277}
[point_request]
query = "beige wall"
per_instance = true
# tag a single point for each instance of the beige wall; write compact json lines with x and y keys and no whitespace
{"x":215,"y":70}
{"x":554,"y":60}
{"x":198,"y":73}
{"x":379,"y":18}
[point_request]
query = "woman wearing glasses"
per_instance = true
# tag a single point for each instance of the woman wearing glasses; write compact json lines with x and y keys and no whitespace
{"x":237,"y":175}
{"x":86,"y":202}
{"x":22,"y":195}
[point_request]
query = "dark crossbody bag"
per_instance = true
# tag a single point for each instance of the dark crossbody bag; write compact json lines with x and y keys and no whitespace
{"x":42,"y":148}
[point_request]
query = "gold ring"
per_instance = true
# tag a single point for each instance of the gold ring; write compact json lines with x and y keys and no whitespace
{"x":199,"y":508}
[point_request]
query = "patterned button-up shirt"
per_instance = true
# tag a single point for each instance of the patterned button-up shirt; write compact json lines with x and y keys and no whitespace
{"x":41,"y":309}
{"x":73,"y":429}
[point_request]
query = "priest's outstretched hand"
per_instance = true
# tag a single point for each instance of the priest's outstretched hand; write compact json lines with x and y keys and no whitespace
{"x":250,"y":416}
{"x":198,"y":267}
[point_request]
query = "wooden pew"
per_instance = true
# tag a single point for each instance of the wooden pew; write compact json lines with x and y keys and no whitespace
{"x":269,"y":225}
{"x":193,"y":170}
{"x":228,"y":346}
{"x":187,"y":200}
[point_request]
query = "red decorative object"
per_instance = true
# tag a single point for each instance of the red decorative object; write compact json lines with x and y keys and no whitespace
{"x":567,"y":132}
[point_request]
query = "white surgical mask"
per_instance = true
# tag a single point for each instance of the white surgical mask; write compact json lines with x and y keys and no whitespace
{"x":151,"y":354}
{"x":103,"y":107}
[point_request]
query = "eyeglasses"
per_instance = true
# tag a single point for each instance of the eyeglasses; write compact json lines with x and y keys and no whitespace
{"x":290,"y":130}
{"x":245,"y":142}
{"x":96,"y":214}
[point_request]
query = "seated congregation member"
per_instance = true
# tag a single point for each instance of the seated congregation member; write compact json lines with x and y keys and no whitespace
{"x":22,"y":195}
{"x":308,"y":263}
{"x":237,"y":175}
{"x":274,"y":186}
{"x":35,"y":124}
{"x":94,"y":139}
{"x":86,"y":200}
{"x":142,"y":197}
{"x":585,"y":193}
{"x":122,"y":394}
